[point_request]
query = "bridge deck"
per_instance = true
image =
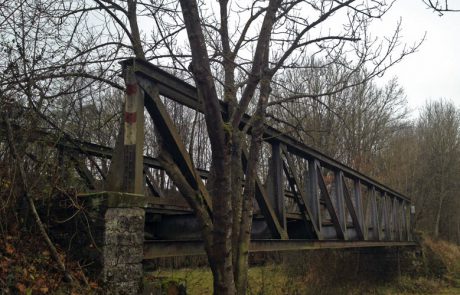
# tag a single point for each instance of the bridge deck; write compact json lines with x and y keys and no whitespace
{"x":158,"y":249}
{"x":173,"y":230}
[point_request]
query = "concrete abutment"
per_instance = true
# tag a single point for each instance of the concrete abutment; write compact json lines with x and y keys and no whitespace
{"x":114,"y":240}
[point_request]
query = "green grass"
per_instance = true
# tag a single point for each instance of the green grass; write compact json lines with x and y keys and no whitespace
{"x":262,"y":280}
{"x":272,"y":280}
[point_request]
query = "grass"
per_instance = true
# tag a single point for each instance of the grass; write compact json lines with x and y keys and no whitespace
{"x":448,"y":255}
{"x":272,"y":280}
{"x":437,"y":271}
{"x":262,"y":279}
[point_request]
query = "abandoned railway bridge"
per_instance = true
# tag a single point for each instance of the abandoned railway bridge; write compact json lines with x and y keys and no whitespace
{"x":295,"y":208}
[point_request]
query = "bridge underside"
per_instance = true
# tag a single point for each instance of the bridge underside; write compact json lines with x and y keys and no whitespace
{"x":171,"y":229}
{"x":176,"y":248}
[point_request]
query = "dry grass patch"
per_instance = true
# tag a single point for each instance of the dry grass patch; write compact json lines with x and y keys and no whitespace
{"x":446,"y":257}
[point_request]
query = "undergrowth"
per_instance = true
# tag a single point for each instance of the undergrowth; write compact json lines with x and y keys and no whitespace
{"x":26,"y":267}
{"x":447,"y":256}
{"x":435,"y":270}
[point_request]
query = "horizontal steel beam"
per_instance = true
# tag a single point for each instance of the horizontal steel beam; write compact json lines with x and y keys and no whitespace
{"x":158,"y":249}
{"x":186,"y":94}
{"x":66,"y":142}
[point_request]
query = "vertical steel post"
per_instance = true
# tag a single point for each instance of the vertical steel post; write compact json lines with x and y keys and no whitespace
{"x":375,"y":215}
{"x":404,"y":221}
{"x":386,"y":216}
{"x":312,"y":193}
{"x":411,"y":223}
{"x":276,"y":184}
{"x":340,"y":201}
{"x":359,"y":207}
{"x":396,"y":228}
{"x":133,"y":141}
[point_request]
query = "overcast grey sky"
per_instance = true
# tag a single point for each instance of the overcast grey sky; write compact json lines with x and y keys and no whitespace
{"x":434,"y":71}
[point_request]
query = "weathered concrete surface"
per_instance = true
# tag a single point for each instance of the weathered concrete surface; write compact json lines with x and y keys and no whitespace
{"x":122,"y":250}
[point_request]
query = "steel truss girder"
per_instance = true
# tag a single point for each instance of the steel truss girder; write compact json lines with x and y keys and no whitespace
{"x":385,"y":219}
{"x":186,"y":94}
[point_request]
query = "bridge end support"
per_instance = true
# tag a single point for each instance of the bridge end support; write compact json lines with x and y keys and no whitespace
{"x":118,"y":221}
{"x":122,"y":252}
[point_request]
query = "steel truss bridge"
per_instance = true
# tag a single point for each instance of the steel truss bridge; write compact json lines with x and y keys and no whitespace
{"x":293,"y":211}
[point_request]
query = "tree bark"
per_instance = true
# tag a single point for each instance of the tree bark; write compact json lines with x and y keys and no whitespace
{"x":220,"y":136}
{"x":241,"y":268}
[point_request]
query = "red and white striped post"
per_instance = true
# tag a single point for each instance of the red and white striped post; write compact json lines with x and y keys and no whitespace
{"x":133,"y":180}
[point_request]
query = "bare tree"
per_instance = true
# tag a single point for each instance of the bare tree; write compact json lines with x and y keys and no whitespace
{"x":438,"y":128}
{"x":352,"y":125}
{"x":283,"y":35}
{"x":45,"y":64}
{"x":421,"y":160}
{"x":441,"y":6}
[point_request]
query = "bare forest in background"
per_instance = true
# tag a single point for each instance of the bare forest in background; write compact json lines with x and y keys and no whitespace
{"x":60,"y":78}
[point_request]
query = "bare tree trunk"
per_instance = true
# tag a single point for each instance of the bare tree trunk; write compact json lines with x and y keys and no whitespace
{"x":220,"y":136}
{"x":442,"y":196}
{"x":237,"y":201}
{"x":438,"y":216}
{"x":220,"y":189}
{"x":241,"y":268}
